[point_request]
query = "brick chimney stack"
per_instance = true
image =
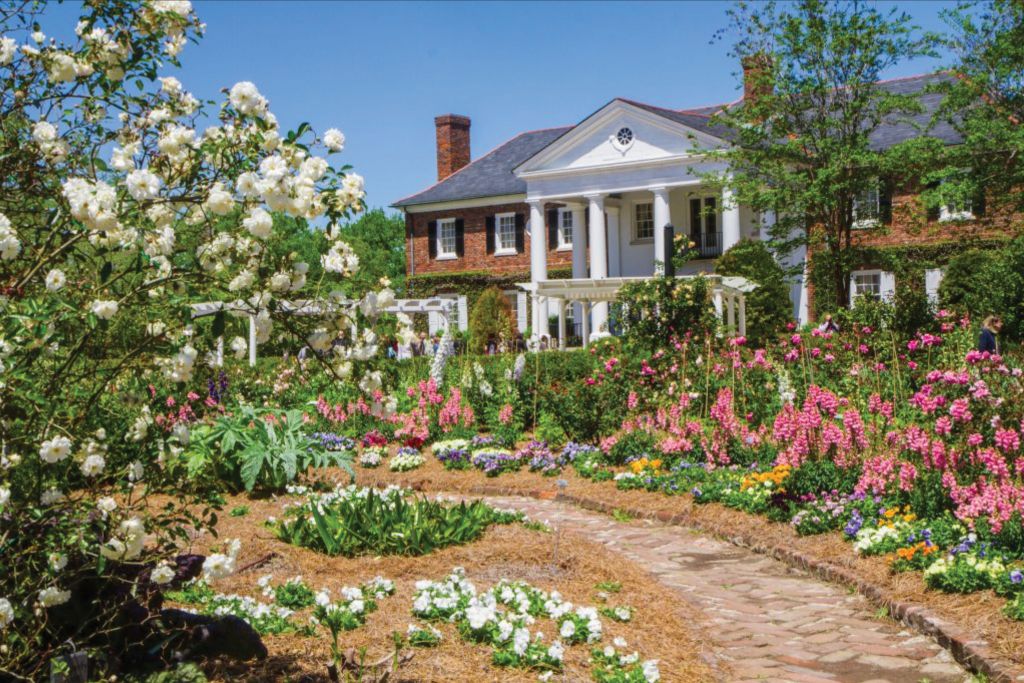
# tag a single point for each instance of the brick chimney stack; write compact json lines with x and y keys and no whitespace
{"x":755,"y":76}
{"x":452,"y":143}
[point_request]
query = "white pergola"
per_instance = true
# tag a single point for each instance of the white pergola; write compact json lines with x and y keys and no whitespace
{"x":728,"y":295}
{"x":446,"y":308}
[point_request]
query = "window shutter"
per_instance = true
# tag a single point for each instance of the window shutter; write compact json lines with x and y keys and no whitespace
{"x":460,"y":237}
{"x":553,"y":228}
{"x":521,"y":233}
{"x":933,"y":212}
{"x":885,"y":191}
{"x":432,"y":239}
{"x":695,"y":221}
{"x":490,"y":234}
{"x":978,"y":204}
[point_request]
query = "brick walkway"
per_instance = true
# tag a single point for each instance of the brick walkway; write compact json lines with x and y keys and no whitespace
{"x":770,"y":622}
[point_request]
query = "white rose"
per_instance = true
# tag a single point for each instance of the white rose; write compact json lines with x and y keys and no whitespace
{"x":55,"y":280}
{"x":259,"y":223}
{"x":93,"y":465}
{"x":104,"y":309}
{"x":44,"y":132}
{"x":5,"y":495}
{"x":51,"y":597}
{"x":162,"y":575}
{"x":143,"y":184}
{"x":6,"y":613}
{"x":334,"y":140}
{"x":55,"y":449}
{"x":106,"y":505}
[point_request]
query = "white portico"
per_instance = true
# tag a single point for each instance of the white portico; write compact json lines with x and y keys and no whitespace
{"x":618,"y":178}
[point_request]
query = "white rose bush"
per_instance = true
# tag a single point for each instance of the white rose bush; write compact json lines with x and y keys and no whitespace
{"x":125,"y":200}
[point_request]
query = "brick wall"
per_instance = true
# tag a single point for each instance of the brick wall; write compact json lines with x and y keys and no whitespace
{"x":475,"y":256}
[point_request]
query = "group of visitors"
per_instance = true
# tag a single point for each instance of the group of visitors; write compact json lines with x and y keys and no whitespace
{"x":421,"y":346}
{"x":987,"y":340}
{"x":517,"y":344}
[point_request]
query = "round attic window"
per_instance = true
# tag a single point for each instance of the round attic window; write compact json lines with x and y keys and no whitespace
{"x":624,"y":136}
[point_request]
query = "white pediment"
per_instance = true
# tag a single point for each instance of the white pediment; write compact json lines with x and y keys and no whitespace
{"x":618,"y":133}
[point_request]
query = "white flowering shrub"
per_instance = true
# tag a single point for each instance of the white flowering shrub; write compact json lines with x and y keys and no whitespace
{"x":117,"y":212}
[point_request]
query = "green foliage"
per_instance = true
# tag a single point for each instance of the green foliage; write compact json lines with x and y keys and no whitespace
{"x":378,"y":238}
{"x":986,"y":282}
{"x":352,"y":521}
{"x":768,"y":306}
{"x":491,"y":318}
{"x":664,"y":308}
{"x":803,"y":147}
{"x":258,"y":450}
{"x":632,"y":445}
{"x":815,"y":476}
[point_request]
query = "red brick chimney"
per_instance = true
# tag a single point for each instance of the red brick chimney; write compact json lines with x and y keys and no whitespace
{"x":755,"y":76}
{"x":452,"y":143}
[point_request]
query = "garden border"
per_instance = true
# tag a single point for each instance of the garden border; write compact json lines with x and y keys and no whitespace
{"x":976,"y":656}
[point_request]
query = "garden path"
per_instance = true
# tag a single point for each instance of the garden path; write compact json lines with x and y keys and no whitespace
{"x":769,"y":622}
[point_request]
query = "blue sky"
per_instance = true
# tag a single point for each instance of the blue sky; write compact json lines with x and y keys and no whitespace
{"x":381,"y":71}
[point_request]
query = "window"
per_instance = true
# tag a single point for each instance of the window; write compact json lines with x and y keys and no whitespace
{"x":704,"y":231}
{"x":644,"y":221}
{"x":867,"y":208}
{"x":624,"y":136}
{"x":956,"y":209}
{"x":565,"y":227}
{"x":446,"y":238}
{"x":505,"y":233}
{"x":867,"y":282}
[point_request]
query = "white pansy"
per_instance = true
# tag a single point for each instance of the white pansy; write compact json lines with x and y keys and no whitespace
{"x":55,"y":280}
{"x":51,"y":597}
{"x":334,"y":140}
{"x":650,"y":671}
{"x":568,"y":629}
{"x":143,"y":184}
{"x":556,"y":651}
{"x":6,"y":613}
{"x":104,"y":308}
{"x":55,"y":449}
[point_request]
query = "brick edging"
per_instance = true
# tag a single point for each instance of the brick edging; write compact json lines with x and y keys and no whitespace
{"x":975,"y":655}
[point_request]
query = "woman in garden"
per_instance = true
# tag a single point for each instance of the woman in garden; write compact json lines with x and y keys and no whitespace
{"x":828,"y":325}
{"x":989,"y":329}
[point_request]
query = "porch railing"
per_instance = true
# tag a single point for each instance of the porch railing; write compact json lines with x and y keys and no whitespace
{"x":708,"y":244}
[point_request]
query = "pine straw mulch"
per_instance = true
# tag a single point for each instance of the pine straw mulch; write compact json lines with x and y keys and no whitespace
{"x":662,"y":627}
{"x":979,"y":614}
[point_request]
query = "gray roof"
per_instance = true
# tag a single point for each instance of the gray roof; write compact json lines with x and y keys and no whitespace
{"x":492,"y":174}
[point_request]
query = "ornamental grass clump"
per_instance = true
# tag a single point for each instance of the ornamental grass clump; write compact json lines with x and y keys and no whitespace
{"x":353,"y":521}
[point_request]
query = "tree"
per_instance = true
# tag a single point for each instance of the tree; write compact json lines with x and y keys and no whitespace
{"x":378,"y":238}
{"x":768,"y":307}
{"x":802,"y":146}
{"x":491,"y":317}
{"x":116,"y":214}
{"x":984,"y":103}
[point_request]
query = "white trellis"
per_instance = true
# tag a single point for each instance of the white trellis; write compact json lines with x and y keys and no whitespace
{"x":728,"y":296}
{"x":445,"y":307}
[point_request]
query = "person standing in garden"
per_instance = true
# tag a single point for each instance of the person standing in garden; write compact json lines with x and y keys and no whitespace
{"x":828,"y":325}
{"x":989,"y":329}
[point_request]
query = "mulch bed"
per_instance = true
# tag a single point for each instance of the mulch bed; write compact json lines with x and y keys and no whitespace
{"x":662,"y":627}
{"x":971,"y":626}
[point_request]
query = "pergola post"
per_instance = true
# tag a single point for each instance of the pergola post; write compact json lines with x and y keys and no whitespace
{"x":561,"y":323}
{"x":220,"y":351}
{"x":730,"y":303}
{"x":252,"y":340}
{"x":586,"y":323}
{"x":743,"y":315}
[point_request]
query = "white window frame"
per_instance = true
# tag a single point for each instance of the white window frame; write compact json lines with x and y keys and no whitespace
{"x":855,"y":291}
{"x":637,"y":238}
{"x":886,"y":284}
{"x":563,"y":243}
{"x":948,"y":212}
{"x":442,"y":253}
{"x":871,"y":221}
{"x":499,"y":248}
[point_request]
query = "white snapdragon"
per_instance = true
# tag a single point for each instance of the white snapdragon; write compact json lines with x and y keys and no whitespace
{"x":334,"y":140}
{"x":104,"y":309}
{"x":143,"y":184}
{"x":55,"y":280}
{"x":52,"y":597}
{"x":54,"y":450}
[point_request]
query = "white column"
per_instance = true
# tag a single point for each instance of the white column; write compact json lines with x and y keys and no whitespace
{"x":598,"y":255}
{"x":579,"y":252}
{"x":252,"y":340}
{"x":661,"y":219}
{"x":614,"y":241}
{"x":538,"y":261}
{"x":730,"y":219}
